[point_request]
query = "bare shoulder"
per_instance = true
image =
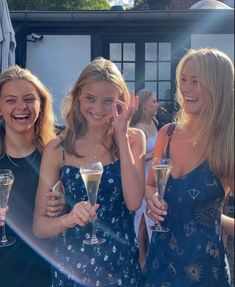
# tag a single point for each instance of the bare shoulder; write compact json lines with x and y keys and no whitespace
{"x":136,"y":134}
{"x":53,"y":150}
{"x":163,"y":130}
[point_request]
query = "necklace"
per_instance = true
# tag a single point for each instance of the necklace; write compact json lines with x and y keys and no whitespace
{"x":94,"y":142}
{"x":28,"y":161}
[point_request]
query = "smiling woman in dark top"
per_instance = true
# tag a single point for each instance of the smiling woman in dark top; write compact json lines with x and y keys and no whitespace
{"x":27,"y":124}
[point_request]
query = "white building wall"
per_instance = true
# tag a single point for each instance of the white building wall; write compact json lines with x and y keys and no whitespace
{"x":58,"y":60}
{"x":223,"y":42}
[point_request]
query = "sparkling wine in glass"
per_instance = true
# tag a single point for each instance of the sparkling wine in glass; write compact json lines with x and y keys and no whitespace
{"x":6,"y":182}
{"x":161,"y":169}
{"x":91,"y":175}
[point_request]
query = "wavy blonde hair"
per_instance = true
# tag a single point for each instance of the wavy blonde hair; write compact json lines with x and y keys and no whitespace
{"x":216,"y":120}
{"x":44,"y":125}
{"x":140,"y":115}
{"x":99,"y":69}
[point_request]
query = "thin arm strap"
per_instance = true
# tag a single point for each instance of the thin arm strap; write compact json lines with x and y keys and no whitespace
{"x":170,"y":132}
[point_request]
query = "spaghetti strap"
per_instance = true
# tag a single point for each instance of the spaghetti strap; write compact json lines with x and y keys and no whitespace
{"x":62,"y":148}
{"x":170,"y":132}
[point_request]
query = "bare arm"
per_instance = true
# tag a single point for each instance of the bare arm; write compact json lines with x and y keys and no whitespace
{"x":228,"y":224}
{"x":226,"y":221}
{"x":156,"y":210}
{"x":131,"y":144}
{"x":44,"y":226}
{"x":132,"y":168}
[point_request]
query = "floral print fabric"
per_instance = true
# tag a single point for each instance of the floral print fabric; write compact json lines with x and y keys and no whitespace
{"x":113,"y":263}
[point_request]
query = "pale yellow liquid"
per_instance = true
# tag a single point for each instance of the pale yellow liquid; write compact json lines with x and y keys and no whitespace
{"x":161,"y":174}
{"x":5,"y":188}
{"x":91,"y":180}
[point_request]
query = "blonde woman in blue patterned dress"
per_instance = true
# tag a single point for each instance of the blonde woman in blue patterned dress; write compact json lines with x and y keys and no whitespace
{"x":99,"y":108}
{"x":202,"y":153}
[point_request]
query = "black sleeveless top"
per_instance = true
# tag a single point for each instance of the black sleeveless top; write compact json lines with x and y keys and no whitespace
{"x":20,"y":265}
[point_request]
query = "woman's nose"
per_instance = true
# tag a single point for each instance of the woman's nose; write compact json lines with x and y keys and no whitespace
{"x":186,"y":87}
{"x":22,"y":104}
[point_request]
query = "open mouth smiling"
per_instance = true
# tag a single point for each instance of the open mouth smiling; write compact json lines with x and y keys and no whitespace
{"x":20,"y":117}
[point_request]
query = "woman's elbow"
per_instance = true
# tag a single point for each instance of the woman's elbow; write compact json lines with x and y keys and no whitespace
{"x":37,"y":230}
{"x":133,"y":206}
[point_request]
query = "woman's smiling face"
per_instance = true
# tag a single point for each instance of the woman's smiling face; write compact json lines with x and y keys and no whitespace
{"x":19,"y":105}
{"x":96,"y":101}
{"x":193,"y":94}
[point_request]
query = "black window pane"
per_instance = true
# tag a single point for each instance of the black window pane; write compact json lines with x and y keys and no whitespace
{"x":119,"y":65}
{"x":150,"y":51}
{"x":164,"y":90}
{"x":151,"y":86}
{"x":164,"y":51}
{"x":115,"y":51}
{"x":164,"y":71}
{"x":150,"y":71}
{"x":129,"y":71}
{"x":129,"y":52}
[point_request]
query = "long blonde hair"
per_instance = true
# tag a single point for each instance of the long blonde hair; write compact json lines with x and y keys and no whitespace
{"x":140,"y":115}
{"x":99,"y":69}
{"x":216,"y":120}
{"x":44,"y":125}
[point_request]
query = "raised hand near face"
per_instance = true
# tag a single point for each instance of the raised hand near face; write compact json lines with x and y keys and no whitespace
{"x":122,"y":115}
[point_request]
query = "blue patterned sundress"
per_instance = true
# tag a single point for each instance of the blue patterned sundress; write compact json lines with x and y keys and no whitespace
{"x":113,"y":263}
{"x":192,"y":253}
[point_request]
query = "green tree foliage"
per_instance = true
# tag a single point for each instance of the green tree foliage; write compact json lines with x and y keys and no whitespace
{"x":58,"y":5}
{"x":151,"y":4}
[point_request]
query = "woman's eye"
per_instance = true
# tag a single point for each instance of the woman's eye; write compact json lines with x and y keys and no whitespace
{"x":10,"y":101}
{"x":183,"y":80}
{"x":108,"y":102}
{"x":29,"y":100}
{"x":195,"y":82}
{"x":90,"y":99}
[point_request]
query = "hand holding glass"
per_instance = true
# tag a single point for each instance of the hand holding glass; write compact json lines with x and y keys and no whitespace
{"x":6,"y":182}
{"x":161,"y":170}
{"x":91,"y":175}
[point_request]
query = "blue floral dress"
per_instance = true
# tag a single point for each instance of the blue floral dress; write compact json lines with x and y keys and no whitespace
{"x":113,"y":263}
{"x":192,"y":253}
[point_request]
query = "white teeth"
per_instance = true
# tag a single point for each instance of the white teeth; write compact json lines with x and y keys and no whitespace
{"x":21,"y":116}
{"x":97,"y":117}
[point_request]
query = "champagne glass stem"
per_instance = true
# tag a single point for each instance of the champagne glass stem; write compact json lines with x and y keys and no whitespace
{"x":3,"y":237}
{"x":93,"y":235}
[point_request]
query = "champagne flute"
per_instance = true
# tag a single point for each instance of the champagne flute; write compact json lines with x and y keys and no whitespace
{"x":91,"y":175}
{"x":161,"y":169}
{"x":6,"y":181}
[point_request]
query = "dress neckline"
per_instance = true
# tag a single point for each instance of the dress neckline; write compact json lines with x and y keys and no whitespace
{"x":189,"y":172}
{"x":78,"y":168}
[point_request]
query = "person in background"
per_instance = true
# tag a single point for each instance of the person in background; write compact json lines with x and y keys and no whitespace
{"x":26,"y":126}
{"x":201,"y":150}
{"x":97,"y":115}
{"x":145,"y":119}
